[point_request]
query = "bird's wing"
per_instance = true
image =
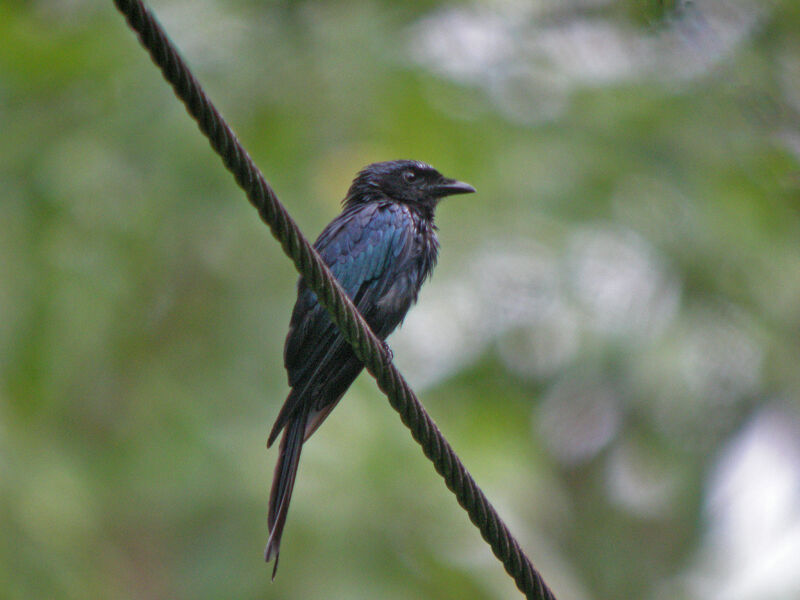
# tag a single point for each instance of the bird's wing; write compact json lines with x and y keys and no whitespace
{"x":361,"y":247}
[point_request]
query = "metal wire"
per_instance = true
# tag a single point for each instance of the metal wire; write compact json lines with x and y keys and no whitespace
{"x":366,"y":345}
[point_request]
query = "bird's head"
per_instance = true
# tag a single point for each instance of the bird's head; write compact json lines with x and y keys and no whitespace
{"x":408,"y":181}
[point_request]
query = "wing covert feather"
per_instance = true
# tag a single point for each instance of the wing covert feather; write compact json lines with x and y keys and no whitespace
{"x":361,"y":248}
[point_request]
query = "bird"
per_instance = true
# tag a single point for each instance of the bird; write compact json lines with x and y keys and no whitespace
{"x":381,"y":248}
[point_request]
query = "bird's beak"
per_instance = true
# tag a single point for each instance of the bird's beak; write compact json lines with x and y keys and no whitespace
{"x":451,"y":187}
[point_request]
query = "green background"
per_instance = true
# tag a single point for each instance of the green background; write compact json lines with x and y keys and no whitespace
{"x":610,"y":340}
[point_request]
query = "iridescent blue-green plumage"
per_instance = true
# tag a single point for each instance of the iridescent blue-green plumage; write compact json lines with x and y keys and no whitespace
{"x":381,"y":248}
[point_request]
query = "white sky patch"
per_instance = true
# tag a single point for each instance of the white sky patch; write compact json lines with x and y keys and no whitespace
{"x":528,"y":58}
{"x":752,"y":547}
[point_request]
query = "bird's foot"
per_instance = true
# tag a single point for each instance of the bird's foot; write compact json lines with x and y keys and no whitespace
{"x":388,"y":350}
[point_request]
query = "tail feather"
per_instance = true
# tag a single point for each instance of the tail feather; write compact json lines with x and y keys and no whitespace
{"x":284,"y":416}
{"x":282,"y":485}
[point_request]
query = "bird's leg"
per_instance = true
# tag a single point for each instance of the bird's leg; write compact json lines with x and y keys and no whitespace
{"x":387,"y":350}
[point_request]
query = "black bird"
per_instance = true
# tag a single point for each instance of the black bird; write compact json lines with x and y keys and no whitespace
{"x":381,"y":248}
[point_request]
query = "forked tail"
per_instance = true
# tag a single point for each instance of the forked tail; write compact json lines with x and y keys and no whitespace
{"x":282,"y":484}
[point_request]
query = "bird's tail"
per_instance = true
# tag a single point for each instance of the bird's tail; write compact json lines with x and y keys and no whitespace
{"x":282,"y":484}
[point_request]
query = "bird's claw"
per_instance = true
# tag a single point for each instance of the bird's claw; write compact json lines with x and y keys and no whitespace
{"x":388,"y":351}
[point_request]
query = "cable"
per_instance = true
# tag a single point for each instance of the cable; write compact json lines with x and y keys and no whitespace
{"x":366,"y":345}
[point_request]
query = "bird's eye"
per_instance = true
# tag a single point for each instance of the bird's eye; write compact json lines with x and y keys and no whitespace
{"x":409,"y":176}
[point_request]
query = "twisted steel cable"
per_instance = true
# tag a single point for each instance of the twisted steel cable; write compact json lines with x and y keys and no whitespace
{"x":366,"y":345}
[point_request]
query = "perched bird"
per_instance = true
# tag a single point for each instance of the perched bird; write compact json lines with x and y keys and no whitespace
{"x":381,"y":248}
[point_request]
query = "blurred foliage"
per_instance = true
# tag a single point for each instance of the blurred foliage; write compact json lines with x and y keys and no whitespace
{"x":610,"y":340}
